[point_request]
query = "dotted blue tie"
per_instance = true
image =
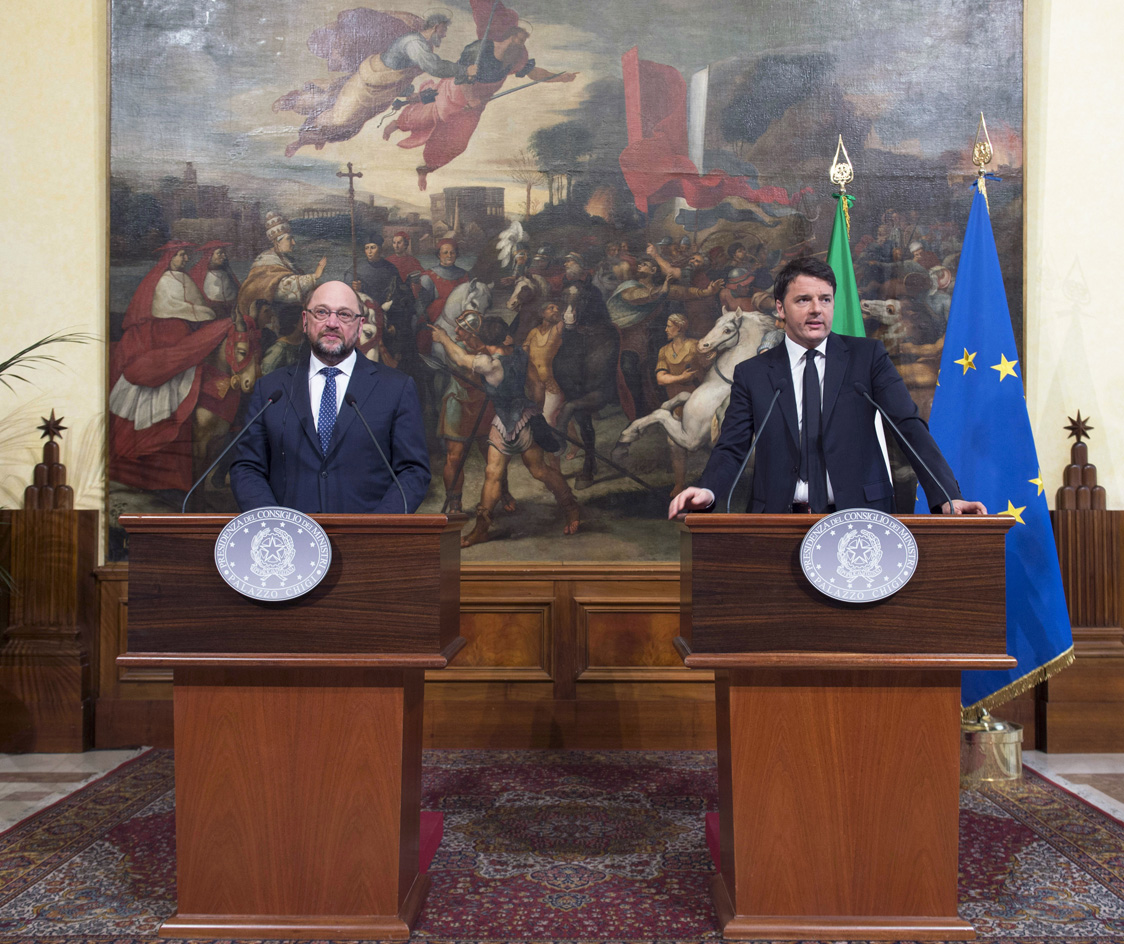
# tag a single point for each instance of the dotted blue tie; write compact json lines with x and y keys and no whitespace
{"x":327,"y":407}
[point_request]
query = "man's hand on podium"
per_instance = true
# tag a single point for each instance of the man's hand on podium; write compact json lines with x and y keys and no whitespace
{"x":690,"y":499}
{"x":961,"y":507}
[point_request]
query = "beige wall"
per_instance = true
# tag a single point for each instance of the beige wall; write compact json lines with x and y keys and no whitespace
{"x":1074,"y":191}
{"x":53,"y":242}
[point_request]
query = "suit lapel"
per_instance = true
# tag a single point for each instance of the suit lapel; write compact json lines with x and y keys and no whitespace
{"x":780,"y":375}
{"x":838,"y":362}
{"x":301,"y":403}
{"x":364,"y":378}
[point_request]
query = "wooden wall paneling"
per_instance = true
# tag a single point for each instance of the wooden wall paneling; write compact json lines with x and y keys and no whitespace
{"x":628,"y":690}
{"x":46,"y":683}
{"x":1081,"y":709}
{"x":625,"y":631}
{"x":566,"y":657}
{"x":134,"y":705}
{"x":632,"y":688}
{"x":509,"y":633}
{"x":557,"y":656}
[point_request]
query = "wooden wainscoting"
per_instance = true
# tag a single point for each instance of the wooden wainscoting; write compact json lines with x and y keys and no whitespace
{"x":134,"y":706}
{"x":557,"y":655}
{"x":1082,"y":708}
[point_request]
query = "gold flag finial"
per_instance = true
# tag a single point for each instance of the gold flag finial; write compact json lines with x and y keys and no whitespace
{"x":842,"y":173}
{"x":982,"y":153}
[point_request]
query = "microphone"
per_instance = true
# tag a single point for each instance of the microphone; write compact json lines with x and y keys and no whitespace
{"x":862,"y":391}
{"x":752,"y":447}
{"x":349,"y":399}
{"x":242,"y":432}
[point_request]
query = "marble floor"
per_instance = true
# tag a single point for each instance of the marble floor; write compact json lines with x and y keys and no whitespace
{"x":31,"y":782}
{"x":1096,"y":778}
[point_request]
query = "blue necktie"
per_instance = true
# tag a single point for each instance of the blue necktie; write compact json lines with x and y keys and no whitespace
{"x":327,"y":407}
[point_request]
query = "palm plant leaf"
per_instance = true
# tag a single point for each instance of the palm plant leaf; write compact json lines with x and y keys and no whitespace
{"x":33,"y":356}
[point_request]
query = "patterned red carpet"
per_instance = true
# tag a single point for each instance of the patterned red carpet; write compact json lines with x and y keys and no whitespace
{"x":567,"y":846}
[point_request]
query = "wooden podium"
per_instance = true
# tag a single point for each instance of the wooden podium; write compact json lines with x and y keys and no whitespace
{"x":839,"y":725}
{"x":298,"y":725}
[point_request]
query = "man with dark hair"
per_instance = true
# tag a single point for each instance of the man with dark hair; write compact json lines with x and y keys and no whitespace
{"x":312,"y":452}
{"x":401,"y":259}
{"x":386,"y":300}
{"x":518,"y":428}
{"x":820,"y":451}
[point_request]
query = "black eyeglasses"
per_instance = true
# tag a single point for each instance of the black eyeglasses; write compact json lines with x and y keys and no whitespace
{"x":345,"y":317}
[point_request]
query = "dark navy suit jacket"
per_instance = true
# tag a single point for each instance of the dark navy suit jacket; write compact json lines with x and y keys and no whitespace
{"x":851,"y":451}
{"x":279,"y":460}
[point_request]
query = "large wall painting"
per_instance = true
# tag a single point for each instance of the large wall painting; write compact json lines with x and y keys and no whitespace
{"x":631,"y":169}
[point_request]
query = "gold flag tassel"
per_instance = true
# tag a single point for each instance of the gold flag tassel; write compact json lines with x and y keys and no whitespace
{"x":1017,"y":687}
{"x":982,"y":153}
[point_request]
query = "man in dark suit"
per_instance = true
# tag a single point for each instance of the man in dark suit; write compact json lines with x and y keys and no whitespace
{"x":826,"y":456}
{"x":311,"y":452}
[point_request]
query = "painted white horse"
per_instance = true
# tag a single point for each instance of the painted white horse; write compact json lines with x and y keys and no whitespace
{"x":735,"y":337}
{"x":472,"y":294}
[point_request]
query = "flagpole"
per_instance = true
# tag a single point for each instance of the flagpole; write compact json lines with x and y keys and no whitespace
{"x":979,"y":419}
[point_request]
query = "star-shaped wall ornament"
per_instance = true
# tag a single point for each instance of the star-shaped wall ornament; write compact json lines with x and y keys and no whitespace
{"x":1079,"y":428}
{"x":968,"y":361}
{"x":1005,"y":367}
{"x":52,"y":428}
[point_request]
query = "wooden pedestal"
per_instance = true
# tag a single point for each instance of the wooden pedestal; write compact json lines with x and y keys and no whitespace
{"x":46,"y":697}
{"x":298,"y":725}
{"x":839,"y":726}
{"x":838,"y":794}
{"x":297,"y":802}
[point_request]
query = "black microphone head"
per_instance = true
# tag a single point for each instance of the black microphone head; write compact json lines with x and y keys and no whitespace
{"x":349,"y":399}
{"x":860,"y":389}
{"x":276,"y":396}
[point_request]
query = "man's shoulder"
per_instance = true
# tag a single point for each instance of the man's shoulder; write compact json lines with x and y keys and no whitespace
{"x":284,"y":375}
{"x":266,"y":257}
{"x":868,"y":348}
{"x":755,"y":369}
{"x":381,"y":372}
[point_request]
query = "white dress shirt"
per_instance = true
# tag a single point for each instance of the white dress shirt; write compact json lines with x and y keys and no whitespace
{"x":797,"y":359}
{"x":316,"y":381}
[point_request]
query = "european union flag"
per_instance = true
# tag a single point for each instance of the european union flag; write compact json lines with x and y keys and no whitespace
{"x":980,"y":421}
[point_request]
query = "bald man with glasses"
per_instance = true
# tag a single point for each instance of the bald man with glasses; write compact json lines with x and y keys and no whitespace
{"x":310,"y":450}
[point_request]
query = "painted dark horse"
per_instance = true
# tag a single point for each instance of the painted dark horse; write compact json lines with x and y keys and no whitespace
{"x":586,"y":367}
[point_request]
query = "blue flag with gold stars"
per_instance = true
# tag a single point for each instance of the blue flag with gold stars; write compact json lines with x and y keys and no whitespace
{"x":980,"y":421}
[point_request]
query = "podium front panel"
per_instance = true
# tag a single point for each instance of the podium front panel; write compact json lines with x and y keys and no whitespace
{"x":744,"y":590}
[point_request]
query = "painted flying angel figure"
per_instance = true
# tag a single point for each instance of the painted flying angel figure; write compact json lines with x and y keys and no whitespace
{"x":444,"y":125}
{"x":383,"y":53}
